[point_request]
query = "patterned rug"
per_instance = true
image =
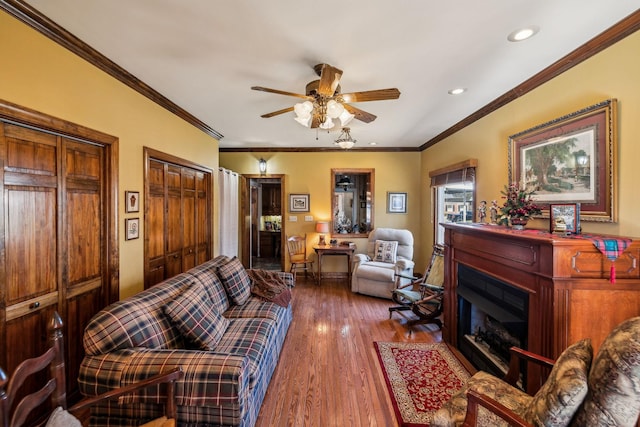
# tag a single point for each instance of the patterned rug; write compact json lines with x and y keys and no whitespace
{"x":420,"y":378}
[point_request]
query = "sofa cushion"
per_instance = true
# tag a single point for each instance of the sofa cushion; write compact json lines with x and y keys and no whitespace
{"x":614,"y":381}
{"x":379,"y":271}
{"x":137,"y":321}
{"x":254,"y":339}
{"x":565,"y":388}
{"x":194,"y":315}
{"x":235,"y":281}
{"x":385,"y":251}
{"x":257,"y":307}
{"x":206,"y":274}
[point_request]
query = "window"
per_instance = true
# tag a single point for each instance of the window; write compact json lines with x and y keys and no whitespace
{"x":453,"y":190}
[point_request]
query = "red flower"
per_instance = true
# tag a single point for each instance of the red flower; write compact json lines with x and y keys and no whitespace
{"x":518,"y":204}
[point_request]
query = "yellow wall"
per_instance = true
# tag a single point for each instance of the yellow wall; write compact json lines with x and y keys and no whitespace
{"x":612,"y":73}
{"x":311,"y":173}
{"x":41,"y":75}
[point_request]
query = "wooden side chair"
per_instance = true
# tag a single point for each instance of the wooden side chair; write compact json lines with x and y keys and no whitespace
{"x":14,"y":413}
{"x":424,"y":294}
{"x":297,"y":247}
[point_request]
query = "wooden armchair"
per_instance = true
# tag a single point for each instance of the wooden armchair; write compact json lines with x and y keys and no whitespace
{"x":30,"y":408}
{"x":424,"y":294}
{"x":580,"y":390}
{"x":476,"y":399}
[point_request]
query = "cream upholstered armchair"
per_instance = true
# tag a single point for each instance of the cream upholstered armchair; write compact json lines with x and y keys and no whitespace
{"x":389,"y":252}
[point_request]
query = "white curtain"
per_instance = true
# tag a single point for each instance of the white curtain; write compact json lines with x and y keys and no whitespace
{"x":228,"y":182}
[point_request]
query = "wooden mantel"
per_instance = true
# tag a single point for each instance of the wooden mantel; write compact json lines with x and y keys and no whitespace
{"x":568,"y":281}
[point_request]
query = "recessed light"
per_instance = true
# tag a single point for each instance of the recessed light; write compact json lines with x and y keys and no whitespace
{"x":457,"y":91}
{"x":373,"y":143}
{"x":523,"y":33}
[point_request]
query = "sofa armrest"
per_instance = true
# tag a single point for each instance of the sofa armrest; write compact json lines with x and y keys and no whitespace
{"x":209,"y":378}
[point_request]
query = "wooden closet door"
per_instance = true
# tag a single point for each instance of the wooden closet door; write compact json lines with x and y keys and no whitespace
{"x":30,"y":234}
{"x":202,"y":220}
{"x":83,"y":252}
{"x":173,"y":231}
{"x":190,"y":218}
{"x":155,"y":213}
{"x":177,"y":217}
{"x":53,"y":237}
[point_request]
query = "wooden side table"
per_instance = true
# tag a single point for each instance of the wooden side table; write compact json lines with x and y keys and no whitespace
{"x":334,"y":250}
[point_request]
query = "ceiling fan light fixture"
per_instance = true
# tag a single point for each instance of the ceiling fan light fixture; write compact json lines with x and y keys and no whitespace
{"x":327,"y":124}
{"x":304,"y":121}
{"x":334,"y":109}
{"x":345,"y":118}
{"x":303,"y":109}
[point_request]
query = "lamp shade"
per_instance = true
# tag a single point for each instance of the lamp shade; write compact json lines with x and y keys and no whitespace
{"x":322,"y":227}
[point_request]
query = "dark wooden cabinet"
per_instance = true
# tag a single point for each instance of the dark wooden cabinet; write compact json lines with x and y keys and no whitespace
{"x":567,"y":280}
{"x":271,"y":199}
{"x":177,"y":216}
{"x":57,"y":246}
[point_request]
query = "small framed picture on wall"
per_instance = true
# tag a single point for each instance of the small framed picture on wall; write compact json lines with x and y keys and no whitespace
{"x":396,"y":202}
{"x":298,"y":203}
{"x":132,"y":200}
{"x":132,"y":227}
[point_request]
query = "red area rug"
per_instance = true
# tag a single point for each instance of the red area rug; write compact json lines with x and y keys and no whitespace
{"x":420,"y":378}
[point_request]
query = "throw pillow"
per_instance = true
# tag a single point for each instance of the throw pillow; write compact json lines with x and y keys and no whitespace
{"x":614,"y":380}
{"x":62,"y":418}
{"x":566,"y":387}
{"x":235,"y":280}
{"x":196,"y":318}
{"x":385,"y":251}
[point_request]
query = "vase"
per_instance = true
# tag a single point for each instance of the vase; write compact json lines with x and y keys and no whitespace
{"x":519,"y":223}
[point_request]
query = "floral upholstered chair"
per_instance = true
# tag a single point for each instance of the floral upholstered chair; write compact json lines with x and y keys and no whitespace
{"x":576,"y":393}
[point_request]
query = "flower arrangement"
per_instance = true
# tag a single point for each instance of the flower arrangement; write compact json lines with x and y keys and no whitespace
{"x":518,"y":204}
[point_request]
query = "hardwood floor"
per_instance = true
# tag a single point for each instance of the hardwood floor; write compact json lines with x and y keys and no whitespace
{"x":328,"y":373}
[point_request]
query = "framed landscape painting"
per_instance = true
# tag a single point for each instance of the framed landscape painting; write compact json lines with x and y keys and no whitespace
{"x":570,"y":160}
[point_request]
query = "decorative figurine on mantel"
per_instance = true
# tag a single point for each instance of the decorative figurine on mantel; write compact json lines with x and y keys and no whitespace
{"x":482,"y":211}
{"x":494,"y":212}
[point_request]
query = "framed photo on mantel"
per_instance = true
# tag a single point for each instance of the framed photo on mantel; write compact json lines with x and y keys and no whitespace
{"x":564,"y":218}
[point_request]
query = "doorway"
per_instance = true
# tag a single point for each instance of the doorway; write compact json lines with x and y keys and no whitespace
{"x":263,"y":243}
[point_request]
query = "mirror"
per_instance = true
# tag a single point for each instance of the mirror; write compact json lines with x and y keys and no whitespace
{"x":352,"y":204}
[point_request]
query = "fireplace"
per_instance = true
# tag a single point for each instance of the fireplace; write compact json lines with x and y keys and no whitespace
{"x":492,"y":317}
{"x":548,"y":286}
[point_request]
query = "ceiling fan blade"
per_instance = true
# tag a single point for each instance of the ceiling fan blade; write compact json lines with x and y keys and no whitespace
{"x":329,"y":80}
{"x":281,"y":92}
{"x":275,"y":113}
{"x":361,"y":115}
{"x":371,"y":95}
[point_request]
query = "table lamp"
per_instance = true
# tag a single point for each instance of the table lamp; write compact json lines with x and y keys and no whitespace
{"x":322,"y":227}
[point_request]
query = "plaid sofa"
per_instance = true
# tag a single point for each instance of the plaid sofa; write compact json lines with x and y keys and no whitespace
{"x":133,"y":339}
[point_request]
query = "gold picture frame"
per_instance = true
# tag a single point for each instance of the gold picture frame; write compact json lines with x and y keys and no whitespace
{"x":571,"y":159}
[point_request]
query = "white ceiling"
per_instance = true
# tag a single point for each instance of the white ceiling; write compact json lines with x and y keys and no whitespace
{"x":205,"y":55}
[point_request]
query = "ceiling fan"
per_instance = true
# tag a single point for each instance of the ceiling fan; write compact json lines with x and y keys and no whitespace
{"x":324,"y":101}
